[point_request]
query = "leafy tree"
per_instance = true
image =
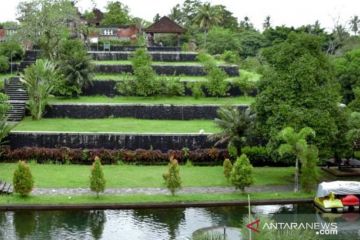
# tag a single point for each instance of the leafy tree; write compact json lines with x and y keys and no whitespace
{"x":157,"y":17}
{"x":5,"y":106}
{"x":250,"y":43}
{"x":12,"y":50}
{"x":354,"y":24}
{"x":348,"y":73}
{"x":353,"y":134}
{"x":46,"y":23}
{"x":234,"y":125}
{"x":309,"y":172}
{"x":39,"y":79}
{"x":220,"y":40}
{"x":172,"y":176}
{"x":227,"y":165}
{"x":4,"y":64}
{"x":23,"y":180}
{"x":97,"y":179}
{"x":228,"y":21}
{"x":295,"y":144}
{"x":298,"y":89}
{"x":116,"y":14}
{"x":176,"y":14}
{"x":354,"y":105}
{"x":241,"y":174}
{"x":267,"y":23}
{"x":206,"y":17}
{"x":246,"y":24}
{"x":76,"y":67}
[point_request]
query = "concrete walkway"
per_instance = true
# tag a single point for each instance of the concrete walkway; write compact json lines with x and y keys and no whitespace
{"x":154,"y":191}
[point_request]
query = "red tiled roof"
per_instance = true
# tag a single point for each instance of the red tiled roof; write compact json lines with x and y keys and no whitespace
{"x":129,"y":31}
{"x":165,"y":25}
{"x":2,"y":33}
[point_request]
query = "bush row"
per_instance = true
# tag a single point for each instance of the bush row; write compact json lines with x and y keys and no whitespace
{"x":211,"y":156}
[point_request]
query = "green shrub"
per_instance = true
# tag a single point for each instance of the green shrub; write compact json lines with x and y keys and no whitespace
{"x":227,"y":165}
{"x":172,"y":176}
{"x":170,"y":87}
{"x":241,"y":174}
{"x":23,"y":181}
{"x":196,"y":89}
{"x":76,"y":67}
{"x":4,"y":64}
{"x":5,"y":106}
{"x":247,"y":87}
{"x":230,"y":57}
{"x":11,"y":50}
{"x":309,"y":172}
{"x":97,"y":179}
{"x":220,"y":39}
{"x":216,"y":84}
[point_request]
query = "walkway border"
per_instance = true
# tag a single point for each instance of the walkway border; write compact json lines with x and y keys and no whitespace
{"x":112,"y":206}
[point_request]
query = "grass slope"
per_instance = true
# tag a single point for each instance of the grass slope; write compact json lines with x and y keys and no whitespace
{"x":156,"y":100}
{"x":120,"y":125}
{"x":129,"y":176}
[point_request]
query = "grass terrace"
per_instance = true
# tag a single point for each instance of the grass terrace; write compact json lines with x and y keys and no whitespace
{"x":156,"y":100}
{"x":118,"y":125}
{"x":129,"y":176}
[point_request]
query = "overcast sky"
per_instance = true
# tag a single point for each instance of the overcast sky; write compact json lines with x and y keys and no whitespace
{"x":288,"y":12}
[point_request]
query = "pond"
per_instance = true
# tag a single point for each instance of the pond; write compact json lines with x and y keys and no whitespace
{"x":158,"y":224}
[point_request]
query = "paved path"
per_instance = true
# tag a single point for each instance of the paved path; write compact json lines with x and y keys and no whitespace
{"x":154,"y":191}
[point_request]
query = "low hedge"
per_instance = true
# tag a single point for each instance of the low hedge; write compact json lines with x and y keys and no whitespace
{"x":211,"y":156}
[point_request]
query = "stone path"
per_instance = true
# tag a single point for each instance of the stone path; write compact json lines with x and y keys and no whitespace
{"x":154,"y":191}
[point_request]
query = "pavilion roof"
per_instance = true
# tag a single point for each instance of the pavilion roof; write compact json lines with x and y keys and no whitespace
{"x":165,"y":25}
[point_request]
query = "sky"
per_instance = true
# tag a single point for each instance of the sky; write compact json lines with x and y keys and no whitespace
{"x":287,"y":12}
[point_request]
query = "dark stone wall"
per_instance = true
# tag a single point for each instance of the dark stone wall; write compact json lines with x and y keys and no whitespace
{"x":156,"y":56}
{"x":163,"y":142}
{"x":134,"y":111}
{"x":166,"y":70}
{"x":108,"y":88}
{"x":133,"y":48}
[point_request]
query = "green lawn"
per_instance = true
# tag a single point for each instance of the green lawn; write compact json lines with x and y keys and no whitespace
{"x":121,"y":176}
{"x":156,"y":100}
{"x":88,"y":199}
{"x":128,"y":62}
{"x":123,"y":125}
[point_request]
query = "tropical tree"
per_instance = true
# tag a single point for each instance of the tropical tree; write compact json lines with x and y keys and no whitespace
{"x":354,"y":24}
{"x":295,"y":144}
{"x":39,"y":79}
{"x":234,"y":125}
{"x":206,"y":17}
{"x":116,"y":14}
{"x":267,"y":23}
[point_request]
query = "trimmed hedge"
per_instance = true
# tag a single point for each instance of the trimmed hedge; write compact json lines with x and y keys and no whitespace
{"x":211,"y":156}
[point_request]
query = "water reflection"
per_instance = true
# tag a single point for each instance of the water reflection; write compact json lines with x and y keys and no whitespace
{"x":156,"y":224}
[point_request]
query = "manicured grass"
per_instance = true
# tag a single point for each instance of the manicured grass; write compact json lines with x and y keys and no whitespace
{"x":123,"y":125}
{"x":127,"y":62}
{"x":121,"y":176}
{"x":88,"y":199}
{"x":156,"y":100}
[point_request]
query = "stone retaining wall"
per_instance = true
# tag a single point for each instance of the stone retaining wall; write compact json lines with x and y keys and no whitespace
{"x":133,"y":48}
{"x":163,"y":142}
{"x":156,"y":56}
{"x":140,"y":111}
{"x":166,"y":69}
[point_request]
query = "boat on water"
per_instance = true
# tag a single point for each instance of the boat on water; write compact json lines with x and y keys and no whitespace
{"x":338,"y":196}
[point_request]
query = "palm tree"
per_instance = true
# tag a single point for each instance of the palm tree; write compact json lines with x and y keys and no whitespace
{"x":267,"y":23}
{"x":207,"y":16}
{"x":295,"y":144}
{"x":234,"y":124}
{"x":39,"y":79}
{"x":354,"y":24}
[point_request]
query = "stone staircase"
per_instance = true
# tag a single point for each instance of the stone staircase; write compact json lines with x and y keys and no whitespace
{"x":17,"y":99}
{"x":29,"y":58}
{"x":5,"y":188}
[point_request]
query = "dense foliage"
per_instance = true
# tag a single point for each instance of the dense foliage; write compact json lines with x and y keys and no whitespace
{"x":241,"y":174}
{"x":4,"y":64}
{"x":12,"y":50}
{"x":5,"y":127}
{"x":227,"y":165}
{"x":298,"y":90}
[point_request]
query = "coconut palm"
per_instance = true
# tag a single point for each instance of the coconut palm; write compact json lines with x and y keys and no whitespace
{"x":295,"y":144}
{"x":354,"y":24}
{"x":39,"y":80}
{"x":234,"y":125}
{"x":207,"y":16}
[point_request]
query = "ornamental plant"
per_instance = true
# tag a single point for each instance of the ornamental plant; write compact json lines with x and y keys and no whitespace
{"x":23,"y":180}
{"x":97,"y":179}
{"x":172,"y":176}
{"x":241,"y":174}
{"x":227,"y":165}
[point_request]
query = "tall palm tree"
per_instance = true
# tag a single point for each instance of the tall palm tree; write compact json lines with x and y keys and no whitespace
{"x":234,"y":125}
{"x":295,"y":144}
{"x":207,"y":16}
{"x":354,"y":24}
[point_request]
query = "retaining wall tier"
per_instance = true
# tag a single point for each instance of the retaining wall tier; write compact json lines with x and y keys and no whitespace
{"x":166,"y":69}
{"x":163,"y":142}
{"x":140,"y":111}
{"x":133,"y":48}
{"x":156,"y":56}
